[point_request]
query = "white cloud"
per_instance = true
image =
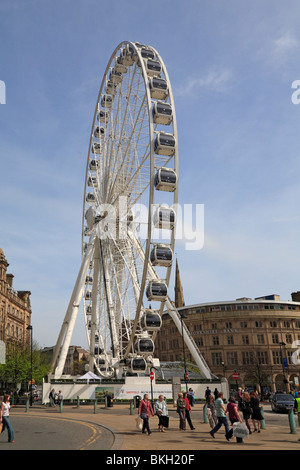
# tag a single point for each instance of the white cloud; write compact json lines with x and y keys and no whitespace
{"x":217,"y":81}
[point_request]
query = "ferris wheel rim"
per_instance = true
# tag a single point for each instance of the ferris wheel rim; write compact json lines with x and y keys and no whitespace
{"x":152,"y":164}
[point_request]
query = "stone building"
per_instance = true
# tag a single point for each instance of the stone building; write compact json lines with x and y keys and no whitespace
{"x":257,"y":338}
{"x":15,"y":309}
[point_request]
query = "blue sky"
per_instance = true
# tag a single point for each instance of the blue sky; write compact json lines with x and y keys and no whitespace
{"x":231,"y":65}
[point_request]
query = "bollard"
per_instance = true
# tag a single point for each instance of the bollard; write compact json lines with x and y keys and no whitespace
{"x":61,"y":406}
{"x":292,"y":422}
{"x":27,"y":406}
{"x":205,"y":418}
{"x":105,"y":401}
{"x":95,"y":406}
{"x":131,"y":407}
{"x":134,"y":402}
{"x":262,"y":423}
{"x":78,"y":401}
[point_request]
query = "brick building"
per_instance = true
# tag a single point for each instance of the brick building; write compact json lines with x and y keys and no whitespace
{"x":15,"y":309}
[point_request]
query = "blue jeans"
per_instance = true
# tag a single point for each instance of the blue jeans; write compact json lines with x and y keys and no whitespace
{"x":6,"y":424}
{"x":221,"y":420}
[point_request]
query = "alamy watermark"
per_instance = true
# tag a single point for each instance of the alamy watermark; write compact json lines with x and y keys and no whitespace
{"x":2,"y":92}
{"x":296,"y":94}
{"x":114,"y":222}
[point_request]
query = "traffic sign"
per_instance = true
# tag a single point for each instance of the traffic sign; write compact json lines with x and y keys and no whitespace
{"x":151,"y":375}
{"x":235,"y":375}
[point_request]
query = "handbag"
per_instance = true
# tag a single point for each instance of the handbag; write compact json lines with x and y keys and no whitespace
{"x":143,"y":416}
{"x":139,"y":423}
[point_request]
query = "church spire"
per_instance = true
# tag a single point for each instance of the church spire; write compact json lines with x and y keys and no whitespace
{"x":179,"y":299}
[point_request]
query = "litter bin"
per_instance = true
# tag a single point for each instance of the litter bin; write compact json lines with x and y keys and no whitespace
{"x":137,"y":399}
{"x":109,"y":401}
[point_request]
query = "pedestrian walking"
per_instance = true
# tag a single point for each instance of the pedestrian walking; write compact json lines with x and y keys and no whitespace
{"x":256,"y":412}
{"x":221,"y":415}
{"x":207,"y":393}
{"x":297,"y":407}
{"x":145,"y":410}
{"x":60,"y":397}
{"x":52,"y":397}
{"x":211,"y":411}
{"x":216,"y":393}
{"x":188,"y":411}
{"x":161,"y":410}
{"x":191,"y":397}
{"x":233,"y":414}
{"x":4,"y":418}
{"x":181,"y":406}
{"x":245,"y":408}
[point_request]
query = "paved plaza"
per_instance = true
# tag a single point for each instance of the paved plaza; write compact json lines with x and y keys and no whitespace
{"x":114,"y":429}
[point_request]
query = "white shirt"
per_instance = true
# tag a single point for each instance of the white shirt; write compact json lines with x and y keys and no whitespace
{"x":6,"y":407}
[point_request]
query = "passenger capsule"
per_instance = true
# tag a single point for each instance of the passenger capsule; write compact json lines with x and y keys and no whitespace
{"x":106,"y":101}
{"x":151,"y":320}
{"x":158,"y":88}
{"x":165,"y":180}
{"x":126,"y":55}
{"x":162,"y":113}
{"x":94,"y":164}
{"x":89,"y":310}
{"x":137,"y":365}
{"x":144,"y":346}
{"x":88,"y":294}
{"x":99,"y":351}
{"x":89,"y":280}
{"x":161,"y":255}
{"x":119,"y":66}
{"x":164,"y":144}
{"x":157,"y":290}
{"x":96,"y":148}
{"x":115,"y":77}
{"x":164,"y":217}
{"x":153,"y":67}
{"x":99,"y":131}
{"x":92,"y":181}
{"x":90,"y":198}
{"x":102,"y":115}
{"x":111,"y":88}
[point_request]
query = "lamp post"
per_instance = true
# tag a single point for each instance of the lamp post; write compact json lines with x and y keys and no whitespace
{"x":182,"y":316}
{"x":29,"y":327}
{"x":283,"y":361}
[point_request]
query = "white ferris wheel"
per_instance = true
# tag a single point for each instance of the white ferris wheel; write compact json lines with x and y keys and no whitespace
{"x":129,"y":217}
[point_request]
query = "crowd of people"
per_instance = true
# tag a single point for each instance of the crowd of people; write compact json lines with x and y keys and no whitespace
{"x":185,"y":402}
{"x":244,"y":409}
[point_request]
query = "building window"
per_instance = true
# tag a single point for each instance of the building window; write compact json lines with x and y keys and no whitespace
{"x":245,"y":339}
{"x":230,"y":340}
{"x":288,"y":338}
{"x":247,"y":358}
{"x":199,"y":342}
{"x":216,"y":359}
{"x":262,"y":357}
{"x":228,"y":324}
{"x":276,"y":357}
{"x":275,"y":339}
{"x":260,"y":339}
{"x":243,"y":324}
{"x":273,"y":324}
{"x":215,"y":340}
{"x":232,"y":359}
{"x":286,"y":324}
{"x":258,"y":324}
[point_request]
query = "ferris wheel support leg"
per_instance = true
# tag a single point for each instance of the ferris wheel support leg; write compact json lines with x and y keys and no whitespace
{"x":94,"y":308}
{"x":64,"y":339}
{"x":174,"y":314}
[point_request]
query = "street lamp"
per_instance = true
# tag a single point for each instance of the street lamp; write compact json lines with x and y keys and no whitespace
{"x":285,"y":381}
{"x":182,"y":316}
{"x":29,"y":327}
